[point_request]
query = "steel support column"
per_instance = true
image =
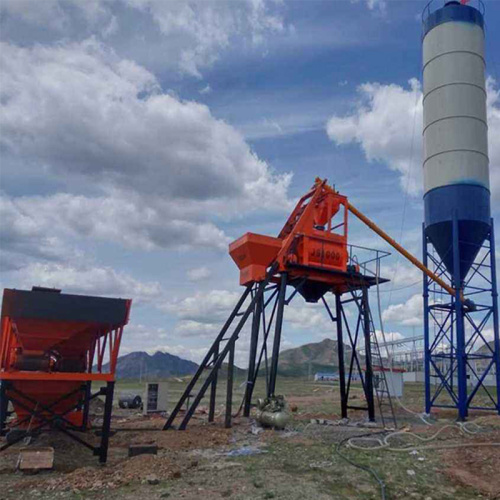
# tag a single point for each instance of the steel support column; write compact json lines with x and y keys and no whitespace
{"x":230,"y":341}
{"x":229,"y":388}
{"x":494,"y":297}
{"x":4,"y":404}
{"x":277,"y":335}
{"x":460,"y":327}
{"x":106,"y":424}
{"x":213,"y":389}
{"x":368,"y":357}
{"x":206,"y":360}
{"x":340,"y":352}
{"x":427,"y":354}
{"x":254,"y":340}
{"x":87,"y":391}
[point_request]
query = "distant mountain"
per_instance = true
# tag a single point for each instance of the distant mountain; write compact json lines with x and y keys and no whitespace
{"x":159,"y":365}
{"x":310,"y":358}
{"x":297,"y":362}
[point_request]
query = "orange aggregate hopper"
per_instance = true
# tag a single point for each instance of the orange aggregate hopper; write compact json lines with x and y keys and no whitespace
{"x":52,"y":343}
{"x":253,"y":254}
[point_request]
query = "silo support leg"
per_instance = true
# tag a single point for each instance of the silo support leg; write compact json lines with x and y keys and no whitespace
{"x":494,"y":297}
{"x":106,"y":425}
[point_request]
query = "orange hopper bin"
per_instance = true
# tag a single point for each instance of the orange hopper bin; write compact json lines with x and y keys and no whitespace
{"x":51,"y":344}
{"x":253,"y":254}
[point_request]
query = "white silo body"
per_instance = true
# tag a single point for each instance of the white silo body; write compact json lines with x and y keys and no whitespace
{"x":456,"y":165}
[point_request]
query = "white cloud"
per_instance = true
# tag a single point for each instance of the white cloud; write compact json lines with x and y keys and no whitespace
{"x":203,"y":314}
{"x":58,"y":15}
{"x":493,"y":110}
{"x":401,"y":275}
{"x":196,"y":329}
{"x":205,"y":90}
{"x":159,"y":166}
{"x":375,"y":5}
{"x":386,"y":119}
{"x":199,"y":273}
{"x":208,"y":27}
{"x":127,"y":222}
{"x":408,"y":314}
{"x":194,"y":33}
{"x":82,"y":111}
{"x":209,"y":307}
{"x":387,"y":337}
{"x":138,"y":332}
{"x":310,"y":317}
{"x":23,"y":239}
{"x":383,"y":125}
{"x":85,"y":279}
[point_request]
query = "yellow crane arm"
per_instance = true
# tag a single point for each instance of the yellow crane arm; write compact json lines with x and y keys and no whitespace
{"x":401,"y":250}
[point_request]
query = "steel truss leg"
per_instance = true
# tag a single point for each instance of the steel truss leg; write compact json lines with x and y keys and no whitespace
{"x":220,"y":359}
{"x":213,"y":389}
{"x":106,"y":424}
{"x":86,"y":404}
{"x":206,"y":360}
{"x":337,"y":319}
{"x":252,"y":356}
{"x":4,"y":404}
{"x":229,"y":390}
{"x":340,"y":352}
{"x":494,"y":299}
{"x":52,"y":421}
{"x":458,"y":346}
{"x":427,"y":354}
{"x":277,"y":335}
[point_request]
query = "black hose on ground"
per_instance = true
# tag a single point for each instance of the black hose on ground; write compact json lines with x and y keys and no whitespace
{"x":365,"y":468}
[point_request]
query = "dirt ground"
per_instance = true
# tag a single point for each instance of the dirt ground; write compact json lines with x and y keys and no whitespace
{"x":478,"y":467}
{"x":246,"y":462}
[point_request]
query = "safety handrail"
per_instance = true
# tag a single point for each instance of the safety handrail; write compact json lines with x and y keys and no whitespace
{"x":477,"y":4}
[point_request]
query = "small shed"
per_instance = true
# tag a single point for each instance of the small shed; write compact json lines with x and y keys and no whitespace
{"x":394,"y":377}
{"x":326,"y":377}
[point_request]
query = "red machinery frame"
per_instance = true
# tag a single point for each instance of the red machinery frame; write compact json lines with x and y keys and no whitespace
{"x":98,"y":351}
{"x":52,"y":348}
{"x":311,"y":254}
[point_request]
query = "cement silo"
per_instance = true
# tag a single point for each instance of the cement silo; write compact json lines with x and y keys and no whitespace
{"x":458,"y":225}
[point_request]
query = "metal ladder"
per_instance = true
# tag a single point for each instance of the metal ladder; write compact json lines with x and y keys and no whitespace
{"x":382,"y":392}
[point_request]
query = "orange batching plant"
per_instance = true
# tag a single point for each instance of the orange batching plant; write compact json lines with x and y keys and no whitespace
{"x":311,"y":254}
{"x":52,"y":347}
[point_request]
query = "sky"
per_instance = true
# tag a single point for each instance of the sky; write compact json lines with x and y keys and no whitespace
{"x":139,"y":137}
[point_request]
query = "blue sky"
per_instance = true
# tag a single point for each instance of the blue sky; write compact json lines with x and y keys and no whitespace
{"x":139,"y":137}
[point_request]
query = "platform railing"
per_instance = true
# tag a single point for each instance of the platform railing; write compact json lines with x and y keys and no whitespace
{"x":368,"y":259}
{"x":434,"y":5}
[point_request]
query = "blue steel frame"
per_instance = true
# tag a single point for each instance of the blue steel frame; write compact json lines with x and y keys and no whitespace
{"x":450,"y":355}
